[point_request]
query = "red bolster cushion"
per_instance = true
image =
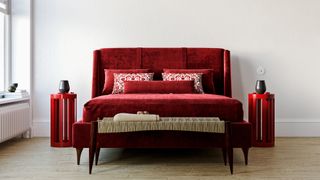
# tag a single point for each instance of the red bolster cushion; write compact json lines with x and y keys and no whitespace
{"x":109,"y":77}
{"x":159,"y":87}
{"x":207,"y":77}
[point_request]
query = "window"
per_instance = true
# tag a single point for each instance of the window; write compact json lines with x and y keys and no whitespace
{"x":2,"y":55}
{"x":4,"y":46}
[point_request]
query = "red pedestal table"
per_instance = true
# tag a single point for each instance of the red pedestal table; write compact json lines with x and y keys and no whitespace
{"x":261,"y":115}
{"x":63,"y":115}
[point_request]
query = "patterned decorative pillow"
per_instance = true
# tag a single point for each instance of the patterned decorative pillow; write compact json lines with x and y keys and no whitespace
{"x":109,"y":78}
{"x":196,"y":77}
{"x":207,"y":77}
{"x":119,"y":79}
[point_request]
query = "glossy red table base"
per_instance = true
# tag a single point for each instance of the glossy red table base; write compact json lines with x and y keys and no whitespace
{"x":63,"y":115}
{"x":261,"y":115}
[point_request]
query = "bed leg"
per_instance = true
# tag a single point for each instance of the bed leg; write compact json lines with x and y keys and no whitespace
{"x":97,"y":155}
{"x":79,"y":151}
{"x":245,"y":151}
{"x":224,"y":153}
{"x":93,"y":144}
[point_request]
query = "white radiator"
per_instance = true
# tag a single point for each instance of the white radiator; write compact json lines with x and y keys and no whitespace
{"x":14,"y":120}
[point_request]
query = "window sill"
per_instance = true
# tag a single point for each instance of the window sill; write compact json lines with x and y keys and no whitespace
{"x":11,"y":99}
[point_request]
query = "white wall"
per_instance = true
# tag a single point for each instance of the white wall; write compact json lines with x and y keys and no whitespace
{"x":282,"y":36}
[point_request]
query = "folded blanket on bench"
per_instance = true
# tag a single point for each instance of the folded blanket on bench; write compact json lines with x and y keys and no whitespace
{"x":198,"y":124}
{"x":125,"y":117}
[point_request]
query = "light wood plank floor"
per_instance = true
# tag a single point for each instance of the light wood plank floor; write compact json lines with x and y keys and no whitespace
{"x":292,"y":158}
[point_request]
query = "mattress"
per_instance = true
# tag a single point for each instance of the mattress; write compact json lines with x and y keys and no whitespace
{"x":166,"y":105}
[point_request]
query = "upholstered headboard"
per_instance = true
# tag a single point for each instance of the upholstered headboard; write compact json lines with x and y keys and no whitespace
{"x":156,"y":59}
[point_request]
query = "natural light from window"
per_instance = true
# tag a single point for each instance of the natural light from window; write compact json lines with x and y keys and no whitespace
{"x":2,"y":54}
{"x":4,"y":11}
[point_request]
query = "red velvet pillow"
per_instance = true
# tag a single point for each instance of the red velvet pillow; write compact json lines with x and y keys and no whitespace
{"x":159,"y":87}
{"x":207,"y":77}
{"x":109,"y":78}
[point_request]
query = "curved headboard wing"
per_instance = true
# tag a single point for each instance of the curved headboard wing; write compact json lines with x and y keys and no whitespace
{"x":156,"y":59}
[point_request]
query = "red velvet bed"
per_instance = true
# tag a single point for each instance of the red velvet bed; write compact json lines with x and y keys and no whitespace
{"x":217,"y":104}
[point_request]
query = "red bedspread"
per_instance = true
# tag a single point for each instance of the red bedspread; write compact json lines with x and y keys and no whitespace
{"x":166,"y":105}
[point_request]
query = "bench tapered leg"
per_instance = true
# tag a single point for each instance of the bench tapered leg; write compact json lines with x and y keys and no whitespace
{"x":97,"y":155}
{"x":93,"y":144}
{"x":79,"y":151}
{"x":228,"y":145}
{"x":224,"y":153}
{"x":245,"y":153}
{"x":230,"y":158}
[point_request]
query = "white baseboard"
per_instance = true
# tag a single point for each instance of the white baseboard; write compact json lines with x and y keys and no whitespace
{"x":41,"y":129}
{"x":296,"y":129}
{"x":284,"y":128}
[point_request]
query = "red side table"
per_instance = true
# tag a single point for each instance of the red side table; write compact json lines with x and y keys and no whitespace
{"x":261,"y":115}
{"x":63,"y":115}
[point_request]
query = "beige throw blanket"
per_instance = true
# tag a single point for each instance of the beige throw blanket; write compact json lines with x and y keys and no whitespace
{"x":197,"y":124}
{"x":128,"y":117}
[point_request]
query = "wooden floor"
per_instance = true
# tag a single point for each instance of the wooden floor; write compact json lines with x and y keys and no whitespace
{"x":292,"y":158}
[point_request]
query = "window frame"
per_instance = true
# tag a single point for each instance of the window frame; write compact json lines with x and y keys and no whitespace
{"x":7,"y":43}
